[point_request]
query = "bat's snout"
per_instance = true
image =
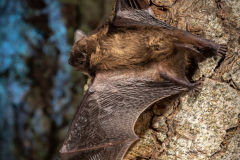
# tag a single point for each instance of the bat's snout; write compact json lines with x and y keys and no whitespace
{"x":70,"y":62}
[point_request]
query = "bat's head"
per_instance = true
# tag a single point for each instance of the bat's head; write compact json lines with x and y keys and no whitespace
{"x":78,"y":57}
{"x":78,"y":60}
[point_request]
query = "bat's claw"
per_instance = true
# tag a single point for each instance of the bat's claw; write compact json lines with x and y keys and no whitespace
{"x":222,"y":50}
{"x":195,"y":88}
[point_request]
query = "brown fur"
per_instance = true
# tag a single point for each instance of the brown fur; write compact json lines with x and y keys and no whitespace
{"x":125,"y":48}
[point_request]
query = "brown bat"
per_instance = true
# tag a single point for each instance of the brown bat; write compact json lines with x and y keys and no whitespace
{"x":134,"y":61}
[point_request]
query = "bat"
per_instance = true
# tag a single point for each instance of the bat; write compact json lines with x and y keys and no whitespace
{"x":134,"y":61}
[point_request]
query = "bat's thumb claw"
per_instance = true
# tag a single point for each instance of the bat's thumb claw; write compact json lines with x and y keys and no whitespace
{"x":195,"y":88}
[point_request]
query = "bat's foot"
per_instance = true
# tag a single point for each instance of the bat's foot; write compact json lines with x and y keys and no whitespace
{"x":222,"y":49}
{"x":195,"y":88}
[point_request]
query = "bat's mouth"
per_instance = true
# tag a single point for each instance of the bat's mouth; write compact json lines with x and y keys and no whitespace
{"x":76,"y":69}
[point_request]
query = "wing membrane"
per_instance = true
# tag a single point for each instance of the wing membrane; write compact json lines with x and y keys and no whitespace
{"x":103,"y":127}
{"x":136,"y":13}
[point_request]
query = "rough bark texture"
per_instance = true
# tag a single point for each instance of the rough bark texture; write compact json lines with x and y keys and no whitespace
{"x":205,"y":126}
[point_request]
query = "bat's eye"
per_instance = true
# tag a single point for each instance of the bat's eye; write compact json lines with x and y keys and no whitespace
{"x":80,"y":62}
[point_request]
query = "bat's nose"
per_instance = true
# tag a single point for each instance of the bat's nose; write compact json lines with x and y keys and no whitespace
{"x":70,"y":62}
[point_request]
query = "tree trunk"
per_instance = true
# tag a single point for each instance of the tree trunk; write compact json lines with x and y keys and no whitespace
{"x":205,"y":126}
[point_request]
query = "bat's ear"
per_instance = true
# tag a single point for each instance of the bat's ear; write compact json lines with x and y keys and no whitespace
{"x":78,"y":35}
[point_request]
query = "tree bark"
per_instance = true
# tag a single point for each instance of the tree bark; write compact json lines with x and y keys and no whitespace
{"x":205,"y":126}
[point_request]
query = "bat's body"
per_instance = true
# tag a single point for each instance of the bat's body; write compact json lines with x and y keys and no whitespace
{"x":134,"y":61}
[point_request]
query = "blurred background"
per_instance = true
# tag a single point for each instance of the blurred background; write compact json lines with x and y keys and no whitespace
{"x":39,"y":91}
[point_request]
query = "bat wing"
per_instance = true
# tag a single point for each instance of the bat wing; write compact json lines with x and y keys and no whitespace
{"x":103,"y":127}
{"x":136,"y":13}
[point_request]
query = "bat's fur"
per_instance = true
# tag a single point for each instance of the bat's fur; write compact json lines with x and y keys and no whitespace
{"x":110,"y":48}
